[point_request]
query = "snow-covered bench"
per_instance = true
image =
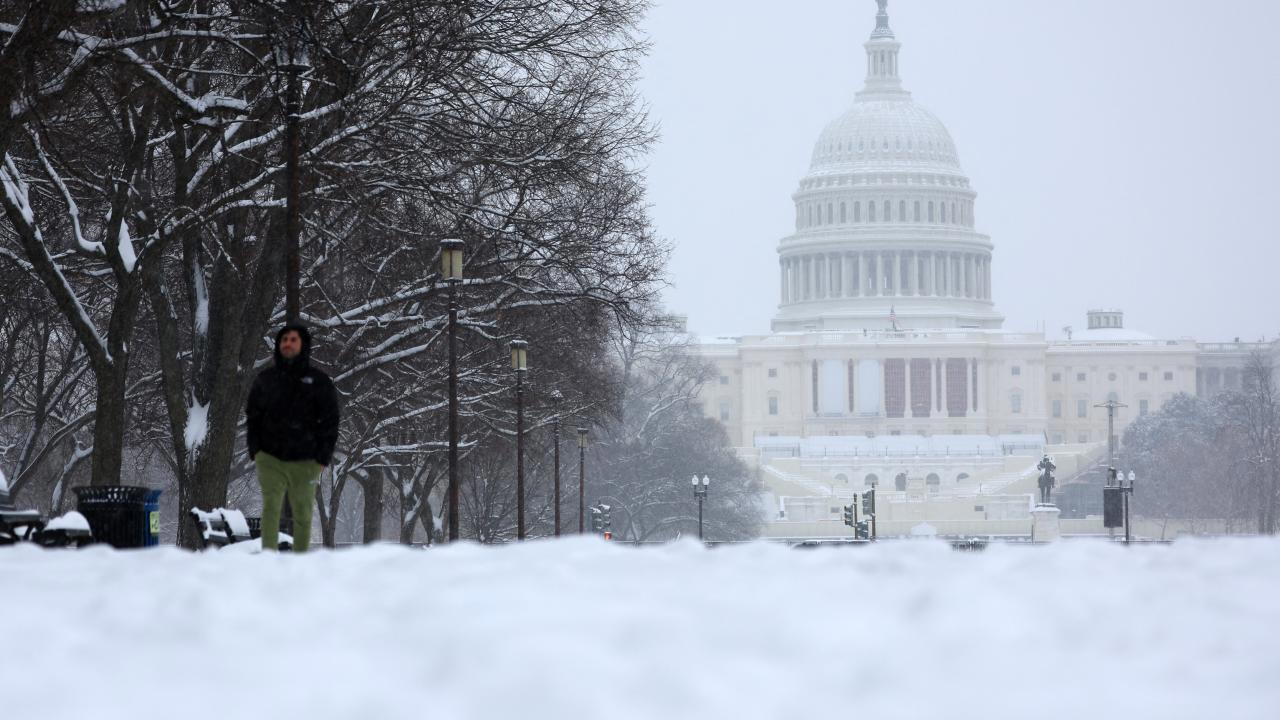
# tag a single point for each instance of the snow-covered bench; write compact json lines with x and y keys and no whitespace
{"x":221,"y":527}
{"x":70,"y":530}
{"x":19,"y":525}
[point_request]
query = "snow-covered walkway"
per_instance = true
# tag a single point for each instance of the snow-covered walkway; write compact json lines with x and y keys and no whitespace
{"x":580,"y":628}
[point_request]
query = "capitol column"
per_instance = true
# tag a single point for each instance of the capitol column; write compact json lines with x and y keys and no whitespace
{"x":897,"y":273}
{"x":975,"y":375}
{"x":942,"y":364}
{"x":884,"y":409}
{"x":875,"y":275}
{"x":906,"y":388}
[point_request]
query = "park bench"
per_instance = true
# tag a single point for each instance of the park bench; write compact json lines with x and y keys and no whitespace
{"x":221,"y":527}
{"x":29,"y":526}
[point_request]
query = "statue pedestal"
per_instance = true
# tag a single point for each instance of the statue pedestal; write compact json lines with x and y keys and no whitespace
{"x":1044,"y":523}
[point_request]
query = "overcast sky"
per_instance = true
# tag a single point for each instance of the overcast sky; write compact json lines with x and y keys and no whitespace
{"x":1126,"y":153}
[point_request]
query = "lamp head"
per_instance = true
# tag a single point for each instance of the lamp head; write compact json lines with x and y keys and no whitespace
{"x":519,"y":352}
{"x":451,"y":259}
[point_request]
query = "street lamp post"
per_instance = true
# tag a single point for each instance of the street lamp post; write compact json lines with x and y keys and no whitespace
{"x":290,"y":54}
{"x":582,"y":479}
{"x":700,"y":492}
{"x":451,"y":271}
{"x":519,"y":349}
{"x":556,"y":399}
{"x":1127,"y":492}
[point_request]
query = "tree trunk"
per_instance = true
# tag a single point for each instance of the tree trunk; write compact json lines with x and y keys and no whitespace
{"x":371,"y":489}
{"x":108,"y":427}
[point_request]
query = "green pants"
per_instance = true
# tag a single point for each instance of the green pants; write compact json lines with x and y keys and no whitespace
{"x":298,"y":479}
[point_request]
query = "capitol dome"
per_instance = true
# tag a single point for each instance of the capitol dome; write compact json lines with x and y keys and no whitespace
{"x":884,"y":231}
{"x":890,"y":134}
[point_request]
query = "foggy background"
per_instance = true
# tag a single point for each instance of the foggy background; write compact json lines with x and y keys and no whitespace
{"x":1125,"y":154}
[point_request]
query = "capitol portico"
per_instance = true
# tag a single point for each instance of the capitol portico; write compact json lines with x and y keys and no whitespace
{"x":888,"y":361}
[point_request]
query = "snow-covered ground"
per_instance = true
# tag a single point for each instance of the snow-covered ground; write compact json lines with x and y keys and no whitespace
{"x":580,"y":628}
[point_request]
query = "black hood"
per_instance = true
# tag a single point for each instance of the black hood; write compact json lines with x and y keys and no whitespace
{"x":303,"y":361}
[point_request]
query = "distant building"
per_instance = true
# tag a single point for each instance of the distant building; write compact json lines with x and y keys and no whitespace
{"x":888,"y":365}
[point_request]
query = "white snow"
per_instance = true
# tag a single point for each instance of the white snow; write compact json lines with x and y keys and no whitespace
{"x":201,"y":313}
{"x":127,"y":254}
{"x":71,"y":521}
{"x":197,"y":425}
{"x":581,"y":628}
{"x":4,"y":484}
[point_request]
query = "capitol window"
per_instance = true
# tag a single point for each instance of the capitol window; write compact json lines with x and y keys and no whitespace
{"x":1082,"y":408}
{"x":902,"y":211}
{"x":1015,"y":403}
{"x":1057,"y":377}
{"x":773,"y":372}
{"x":1057,"y":408}
{"x":773,"y":404}
{"x":857,"y":212}
{"x":1144,"y":407}
{"x":871,"y":212}
{"x":930,"y":211}
{"x":1111,"y":377}
{"x":1142,"y":376}
{"x":724,"y":379}
{"x":917,"y":202}
{"x":1017,"y":370}
{"x":1080,"y":377}
{"x":843,"y":214}
{"x":1168,"y":376}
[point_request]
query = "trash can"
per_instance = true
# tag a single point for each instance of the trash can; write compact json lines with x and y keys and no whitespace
{"x":153,"y":518}
{"x":117,"y":514}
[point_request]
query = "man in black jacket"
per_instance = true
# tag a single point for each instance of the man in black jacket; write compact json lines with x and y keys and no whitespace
{"x":292,"y":419}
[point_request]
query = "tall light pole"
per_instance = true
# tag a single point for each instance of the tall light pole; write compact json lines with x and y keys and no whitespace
{"x":290,"y":51}
{"x":451,"y":271}
{"x":556,"y":398}
{"x":700,"y":492}
{"x":582,"y":479}
{"x":1111,"y":406}
{"x":519,"y":349}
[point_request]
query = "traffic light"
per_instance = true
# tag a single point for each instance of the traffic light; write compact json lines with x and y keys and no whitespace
{"x":862,"y":530}
{"x":869,"y":502}
{"x":848,"y":515}
{"x":601,"y":520}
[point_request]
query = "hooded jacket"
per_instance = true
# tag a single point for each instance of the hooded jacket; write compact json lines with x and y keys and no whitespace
{"x":292,"y":411}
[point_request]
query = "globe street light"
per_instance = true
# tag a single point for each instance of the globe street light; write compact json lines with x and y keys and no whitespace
{"x":519,"y":349}
{"x":451,"y":271}
{"x":700,"y":493}
{"x":582,"y":478}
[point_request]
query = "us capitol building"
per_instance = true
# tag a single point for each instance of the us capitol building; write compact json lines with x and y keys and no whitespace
{"x":888,"y":366}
